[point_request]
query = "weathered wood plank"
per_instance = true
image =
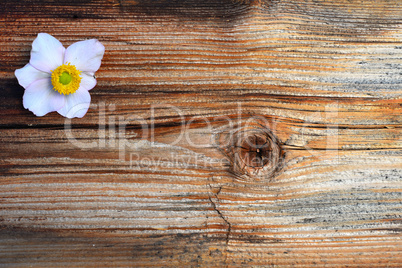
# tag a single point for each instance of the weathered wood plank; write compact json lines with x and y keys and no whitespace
{"x":142,"y":179}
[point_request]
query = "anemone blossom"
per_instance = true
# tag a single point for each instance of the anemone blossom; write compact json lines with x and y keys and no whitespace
{"x":58,"y":79}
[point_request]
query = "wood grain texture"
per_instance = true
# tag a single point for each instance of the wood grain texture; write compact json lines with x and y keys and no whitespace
{"x":142,"y":180}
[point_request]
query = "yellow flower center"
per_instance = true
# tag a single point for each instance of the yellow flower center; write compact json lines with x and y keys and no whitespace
{"x":66,"y":79}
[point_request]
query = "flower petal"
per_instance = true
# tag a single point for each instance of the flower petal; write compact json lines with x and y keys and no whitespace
{"x":85,"y":55}
{"x":87,"y":82}
{"x":28,"y":74}
{"x":47,"y":53}
{"x":77,"y":104}
{"x":40,"y":98}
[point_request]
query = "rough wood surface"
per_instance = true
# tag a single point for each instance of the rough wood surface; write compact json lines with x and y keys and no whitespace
{"x":143,"y":179}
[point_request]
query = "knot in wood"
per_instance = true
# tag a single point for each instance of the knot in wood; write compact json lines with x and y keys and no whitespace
{"x":255,"y":153}
{"x":254,"y":150}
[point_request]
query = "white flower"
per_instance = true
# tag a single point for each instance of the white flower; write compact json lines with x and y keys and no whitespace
{"x":58,"y":79}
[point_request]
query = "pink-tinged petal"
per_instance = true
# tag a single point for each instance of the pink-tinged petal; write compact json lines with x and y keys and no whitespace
{"x":28,"y":74}
{"x":77,"y":104}
{"x":87,"y":82}
{"x":40,"y":98}
{"x":47,"y":53}
{"x":85,"y":55}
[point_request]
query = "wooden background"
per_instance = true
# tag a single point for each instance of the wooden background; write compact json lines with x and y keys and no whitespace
{"x":139,"y":181}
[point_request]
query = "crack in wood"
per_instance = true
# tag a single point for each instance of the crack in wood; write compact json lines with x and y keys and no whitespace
{"x":229,"y":225}
{"x":214,"y":206}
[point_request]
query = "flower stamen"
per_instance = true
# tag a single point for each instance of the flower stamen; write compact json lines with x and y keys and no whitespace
{"x":66,"y":79}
